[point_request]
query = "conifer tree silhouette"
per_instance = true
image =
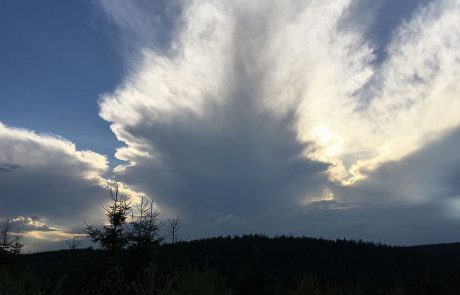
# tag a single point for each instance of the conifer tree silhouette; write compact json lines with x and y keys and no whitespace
{"x":145,"y":228}
{"x":113,"y":236}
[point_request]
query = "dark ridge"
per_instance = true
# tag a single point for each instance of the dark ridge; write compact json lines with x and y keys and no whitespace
{"x":256,"y":264}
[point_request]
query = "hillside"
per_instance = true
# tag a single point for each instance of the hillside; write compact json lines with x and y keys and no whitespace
{"x":241,"y":265}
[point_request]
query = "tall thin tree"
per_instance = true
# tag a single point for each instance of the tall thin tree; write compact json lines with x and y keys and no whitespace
{"x":114,"y":235}
{"x":173,"y":227}
{"x":145,"y":228}
{"x":73,"y":243}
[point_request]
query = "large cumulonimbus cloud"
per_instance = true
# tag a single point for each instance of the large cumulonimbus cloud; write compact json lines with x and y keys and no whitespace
{"x":249,"y":109}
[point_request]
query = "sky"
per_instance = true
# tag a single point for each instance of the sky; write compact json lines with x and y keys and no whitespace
{"x":333,"y":119}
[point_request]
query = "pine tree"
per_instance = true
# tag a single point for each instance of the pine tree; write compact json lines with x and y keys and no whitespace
{"x":115,"y":235}
{"x":145,"y":228}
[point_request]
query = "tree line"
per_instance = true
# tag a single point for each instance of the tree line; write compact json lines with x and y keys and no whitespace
{"x":139,"y":254}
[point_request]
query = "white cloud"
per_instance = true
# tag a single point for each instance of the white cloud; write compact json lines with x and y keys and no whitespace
{"x":252,"y":101}
{"x":25,"y":148}
{"x":411,"y":99}
{"x":295,"y":56}
{"x":47,"y":186}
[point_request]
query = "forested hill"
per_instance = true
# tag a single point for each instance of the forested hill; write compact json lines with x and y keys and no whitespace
{"x":339,"y":262}
{"x":253,"y":265}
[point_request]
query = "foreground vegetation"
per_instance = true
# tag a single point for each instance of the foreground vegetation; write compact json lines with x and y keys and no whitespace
{"x":238,"y":265}
{"x":138,"y":254}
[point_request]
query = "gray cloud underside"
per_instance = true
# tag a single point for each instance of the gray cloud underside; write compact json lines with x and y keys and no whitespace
{"x":252,"y":113}
{"x":412,"y":201}
{"x":47,"y":192}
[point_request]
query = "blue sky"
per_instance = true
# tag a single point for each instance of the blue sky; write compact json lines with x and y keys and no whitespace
{"x":57,"y":58}
{"x":337,"y":118}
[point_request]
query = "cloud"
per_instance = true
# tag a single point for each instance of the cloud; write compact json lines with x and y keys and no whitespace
{"x":392,"y":224}
{"x":198,"y":140}
{"x":411,"y":201}
{"x":410,"y":98}
{"x":50,"y":175}
{"x":32,"y":223}
{"x":47,"y":186}
{"x":143,"y":23}
{"x":428,"y":175}
{"x":251,"y":110}
{"x":264,"y":116}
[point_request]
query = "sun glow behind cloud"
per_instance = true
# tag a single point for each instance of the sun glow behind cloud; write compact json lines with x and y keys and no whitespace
{"x":361,"y":115}
{"x":299,"y":56}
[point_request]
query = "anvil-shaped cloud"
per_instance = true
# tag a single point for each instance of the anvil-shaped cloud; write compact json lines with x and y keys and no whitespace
{"x":253,"y":108}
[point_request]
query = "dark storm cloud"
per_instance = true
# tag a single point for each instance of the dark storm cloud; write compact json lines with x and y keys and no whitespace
{"x":237,"y":160}
{"x":251,"y":121}
{"x":234,"y":164}
{"x":54,"y":193}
